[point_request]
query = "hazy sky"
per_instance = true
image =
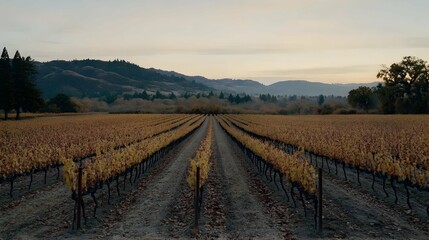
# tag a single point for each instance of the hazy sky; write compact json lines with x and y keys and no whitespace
{"x":317,"y":40}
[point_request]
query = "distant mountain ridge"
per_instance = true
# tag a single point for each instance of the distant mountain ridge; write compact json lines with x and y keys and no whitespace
{"x":94,"y":78}
{"x":287,"y":87}
{"x":301,"y":87}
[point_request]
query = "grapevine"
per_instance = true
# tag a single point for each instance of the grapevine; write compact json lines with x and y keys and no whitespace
{"x":201,"y":160}
{"x":39,"y":144}
{"x":296,"y":170}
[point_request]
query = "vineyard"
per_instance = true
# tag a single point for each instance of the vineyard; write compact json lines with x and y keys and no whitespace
{"x":396,"y":150}
{"x":29,"y":148}
{"x":223,"y":176}
{"x":385,"y":148}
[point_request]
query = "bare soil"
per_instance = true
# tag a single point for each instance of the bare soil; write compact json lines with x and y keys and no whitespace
{"x":370,"y":213}
{"x":22,"y":188}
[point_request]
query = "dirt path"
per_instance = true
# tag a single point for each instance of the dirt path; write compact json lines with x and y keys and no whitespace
{"x":37,"y":214}
{"x":245,"y":216}
{"x":180,"y":218}
{"x":149,"y":205}
{"x":353,"y":214}
{"x":355,"y":211}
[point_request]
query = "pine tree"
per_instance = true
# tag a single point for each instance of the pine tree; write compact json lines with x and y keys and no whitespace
{"x":321,"y":100}
{"x":18,"y":82}
{"x":237,"y":99}
{"x":172,"y":96}
{"x":26,"y":95}
{"x":231,"y":98}
{"x":33,"y":98}
{"x":221,"y":95}
{"x":145,"y":96}
{"x":247,"y":98}
{"x":158,"y":95}
{"x":6,"y":84}
{"x":187,"y":95}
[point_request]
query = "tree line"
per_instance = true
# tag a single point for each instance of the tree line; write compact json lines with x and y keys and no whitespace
{"x":405,"y":89}
{"x":243,"y":98}
{"x":17,"y":89}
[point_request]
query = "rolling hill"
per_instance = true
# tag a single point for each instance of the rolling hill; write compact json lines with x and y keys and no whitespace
{"x":301,"y":87}
{"x":289,"y":87}
{"x":94,"y":78}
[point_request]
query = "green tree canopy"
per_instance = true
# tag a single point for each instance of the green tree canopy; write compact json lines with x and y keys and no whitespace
{"x":362,"y":97}
{"x":406,"y":86}
{"x":61,"y":103}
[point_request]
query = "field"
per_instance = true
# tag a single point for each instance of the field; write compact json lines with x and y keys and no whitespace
{"x":258,"y":176}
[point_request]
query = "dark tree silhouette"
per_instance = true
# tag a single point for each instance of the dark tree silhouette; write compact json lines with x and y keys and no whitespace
{"x":158,"y":95}
{"x":268,"y":98}
{"x":26,"y":95}
{"x":221,"y":95}
{"x":6,"y":84}
{"x":144,"y":95}
{"x":237,"y":99}
{"x":406,"y":86}
{"x":247,"y":98}
{"x":187,"y":95}
{"x":321,"y":100}
{"x":231,"y":98}
{"x":32,"y":96}
{"x":172,"y":96}
{"x":362,"y":97}
{"x":61,"y":103}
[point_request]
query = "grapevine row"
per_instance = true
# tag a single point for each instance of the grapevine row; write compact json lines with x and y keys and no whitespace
{"x":201,"y":160}
{"x":410,"y":173}
{"x":293,"y":167}
{"x":398,"y":152}
{"x":108,"y":165}
{"x":38,"y":145}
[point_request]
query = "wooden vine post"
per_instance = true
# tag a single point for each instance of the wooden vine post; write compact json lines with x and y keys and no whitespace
{"x":196,"y":195}
{"x":79,"y":197}
{"x":319,"y":204}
